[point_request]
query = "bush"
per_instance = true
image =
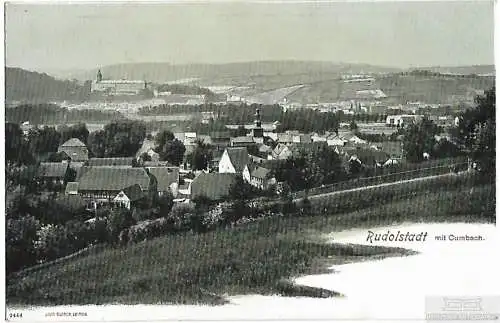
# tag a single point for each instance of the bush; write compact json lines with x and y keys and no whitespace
{"x":180,"y":216}
{"x":141,"y":215}
{"x":145,"y":230}
{"x":55,"y":241}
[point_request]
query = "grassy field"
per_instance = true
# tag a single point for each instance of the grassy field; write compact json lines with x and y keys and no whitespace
{"x":253,"y":258}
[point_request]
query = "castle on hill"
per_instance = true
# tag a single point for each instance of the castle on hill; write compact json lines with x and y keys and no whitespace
{"x":117,"y":87}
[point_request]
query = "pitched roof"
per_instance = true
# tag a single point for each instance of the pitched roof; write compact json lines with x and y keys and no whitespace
{"x":52,"y":170}
{"x":147,"y":145}
{"x":113,"y":161}
{"x":75,"y":153}
{"x":215,"y":186}
{"x":217,"y":135}
{"x":113,"y":178}
{"x":279,"y":149}
{"x":206,"y":139}
{"x":73,"y":142}
{"x":370,"y":156}
{"x":239,"y":157}
{"x":285,"y":137}
{"x":133,"y":192}
{"x":165,"y":176}
{"x":242,"y":139}
{"x":264,"y":148}
{"x":260,"y":172}
{"x":71,"y":187}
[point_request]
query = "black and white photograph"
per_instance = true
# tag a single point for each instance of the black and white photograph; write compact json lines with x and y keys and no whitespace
{"x":250,"y":160}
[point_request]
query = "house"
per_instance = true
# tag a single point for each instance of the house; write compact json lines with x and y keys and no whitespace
{"x":335,"y":140}
{"x":316,"y":137}
{"x":75,"y":149}
{"x":402,"y":120}
{"x":53,"y":173}
{"x":352,"y":138}
{"x":243,"y":141}
{"x":129,"y":196}
{"x":234,"y":160}
{"x":104,"y":183}
{"x":122,"y":162}
{"x":285,"y":138}
{"x":264,"y":149}
{"x":281,"y":151}
{"x":71,"y":188}
{"x":215,"y":186}
{"x":301,"y":139}
{"x":258,"y":176}
{"x":369,"y":157}
{"x":167,"y":179}
{"x":148,"y":147}
{"x":220,"y":140}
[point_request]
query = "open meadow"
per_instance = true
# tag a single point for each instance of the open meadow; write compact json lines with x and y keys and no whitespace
{"x":255,"y":258}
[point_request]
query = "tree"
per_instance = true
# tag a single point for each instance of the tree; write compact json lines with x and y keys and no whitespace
{"x":169,"y":148}
{"x":240,"y":132}
{"x":353,"y":126}
{"x":476,"y":130}
{"x":121,"y":138}
{"x":240,"y":190}
{"x":78,"y":131}
{"x":311,"y":167}
{"x":21,"y":234}
{"x":119,"y":219}
{"x":444,"y":148}
{"x":201,"y":156}
{"x":43,"y":140}
{"x":16,"y":149}
{"x":418,"y":139}
{"x":165,"y":203}
{"x":97,"y":143}
{"x":355,"y":167}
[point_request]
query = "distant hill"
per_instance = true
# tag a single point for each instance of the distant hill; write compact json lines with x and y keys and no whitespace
{"x":223,"y":74}
{"x":473,"y":69}
{"x":33,"y":87}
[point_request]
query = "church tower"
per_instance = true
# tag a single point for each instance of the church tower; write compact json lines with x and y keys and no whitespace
{"x":99,"y":76}
{"x":258,"y":132}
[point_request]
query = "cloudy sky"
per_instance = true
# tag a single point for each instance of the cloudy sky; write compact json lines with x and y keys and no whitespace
{"x":49,"y":37}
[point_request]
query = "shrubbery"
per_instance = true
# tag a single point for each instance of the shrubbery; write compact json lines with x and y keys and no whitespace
{"x":145,"y":230}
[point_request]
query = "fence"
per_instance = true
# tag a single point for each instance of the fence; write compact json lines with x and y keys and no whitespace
{"x":382,"y":179}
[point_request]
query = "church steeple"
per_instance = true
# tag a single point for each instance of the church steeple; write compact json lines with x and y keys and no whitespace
{"x":258,"y":123}
{"x":99,"y":76}
{"x":258,"y":132}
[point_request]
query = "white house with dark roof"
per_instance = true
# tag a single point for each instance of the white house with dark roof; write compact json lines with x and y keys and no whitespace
{"x":234,"y":160}
{"x":258,"y":176}
{"x":129,"y":196}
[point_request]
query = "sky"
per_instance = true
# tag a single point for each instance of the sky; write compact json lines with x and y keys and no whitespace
{"x":80,"y":36}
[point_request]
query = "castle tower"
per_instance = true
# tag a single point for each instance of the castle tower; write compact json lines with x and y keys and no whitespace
{"x":99,"y":76}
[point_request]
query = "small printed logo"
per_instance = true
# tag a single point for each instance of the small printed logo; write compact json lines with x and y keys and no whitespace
{"x":462,"y":304}
{"x":466,"y":308}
